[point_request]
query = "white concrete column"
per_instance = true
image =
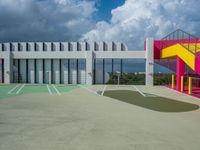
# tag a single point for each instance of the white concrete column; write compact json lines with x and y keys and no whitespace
{"x":56,"y":71}
{"x":7,"y":68}
{"x":73,"y":76}
{"x":149,"y":61}
{"x":81,"y":76}
{"x":31,"y":71}
{"x":47,"y":71}
{"x":89,"y":67}
{"x":39,"y":71}
{"x":65,"y":71}
{"x":23,"y":70}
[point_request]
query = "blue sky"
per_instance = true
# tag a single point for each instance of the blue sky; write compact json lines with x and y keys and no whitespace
{"x":105,"y":7}
{"x":128,"y":21}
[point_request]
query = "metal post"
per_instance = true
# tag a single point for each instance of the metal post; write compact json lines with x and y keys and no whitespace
{"x":182,"y":83}
{"x":190,"y":85}
{"x":173,"y":79}
{"x":118,"y":79}
{"x":195,"y":47}
{"x":189,"y":43}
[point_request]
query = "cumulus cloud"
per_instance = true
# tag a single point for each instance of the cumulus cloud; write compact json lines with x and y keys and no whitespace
{"x":137,"y":19}
{"x":45,"y":20}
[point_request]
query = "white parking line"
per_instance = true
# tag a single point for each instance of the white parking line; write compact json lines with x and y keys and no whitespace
{"x":56,"y":90}
{"x":9,"y":92}
{"x":88,"y":89}
{"x":49,"y":89}
{"x":103,"y":90}
{"x":20,"y":89}
{"x":139,"y":91}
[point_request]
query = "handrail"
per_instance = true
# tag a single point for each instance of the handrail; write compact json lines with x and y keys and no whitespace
{"x":187,"y":40}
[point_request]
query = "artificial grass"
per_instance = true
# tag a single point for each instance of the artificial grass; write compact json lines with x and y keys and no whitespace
{"x":153,"y":103}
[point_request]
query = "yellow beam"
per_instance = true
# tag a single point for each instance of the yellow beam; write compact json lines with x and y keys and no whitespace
{"x":180,"y":51}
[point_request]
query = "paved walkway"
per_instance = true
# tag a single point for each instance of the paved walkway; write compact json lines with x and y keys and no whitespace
{"x":83,"y":120}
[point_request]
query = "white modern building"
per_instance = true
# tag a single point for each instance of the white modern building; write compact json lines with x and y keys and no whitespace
{"x":67,"y":62}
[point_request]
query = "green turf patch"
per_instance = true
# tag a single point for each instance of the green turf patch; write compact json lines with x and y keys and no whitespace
{"x":154,"y":103}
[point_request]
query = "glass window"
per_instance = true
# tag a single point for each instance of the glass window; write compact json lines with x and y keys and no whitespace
{"x":81,"y":71}
{"x":163,"y":70}
{"x":133,"y":71}
{"x":73,"y":71}
{"x":108,"y":71}
{"x":98,"y":71}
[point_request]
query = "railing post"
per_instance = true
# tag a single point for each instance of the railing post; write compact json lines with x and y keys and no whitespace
{"x":195,"y":47}
{"x":189,"y":85}
{"x":173,"y":81}
{"x":182,"y":83}
{"x":178,"y":35}
{"x":189,"y":43}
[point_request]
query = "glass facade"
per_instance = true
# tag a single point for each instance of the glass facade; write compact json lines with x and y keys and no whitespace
{"x":56,"y":71}
{"x":128,"y":71}
{"x":163,"y":70}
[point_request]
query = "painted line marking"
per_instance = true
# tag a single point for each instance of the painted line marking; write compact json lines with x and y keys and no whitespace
{"x":9,"y":92}
{"x":139,"y":91}
{"x":20,"y":88}
{"x":103,"y":90}
{"x":56,"y":90}
{"x":89,"y":90}
{"x":49,"y":89}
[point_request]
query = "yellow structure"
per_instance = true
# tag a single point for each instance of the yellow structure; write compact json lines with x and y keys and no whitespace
{"x":177,"y":50}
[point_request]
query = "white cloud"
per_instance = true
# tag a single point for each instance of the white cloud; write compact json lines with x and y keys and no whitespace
{"x":45,"y":20}
{"x":137,"y":19}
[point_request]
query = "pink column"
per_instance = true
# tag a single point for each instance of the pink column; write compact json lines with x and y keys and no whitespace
{"x":180,"y":68}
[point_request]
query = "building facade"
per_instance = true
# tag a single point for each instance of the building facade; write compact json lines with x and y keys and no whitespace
{"x":67,"y":62}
